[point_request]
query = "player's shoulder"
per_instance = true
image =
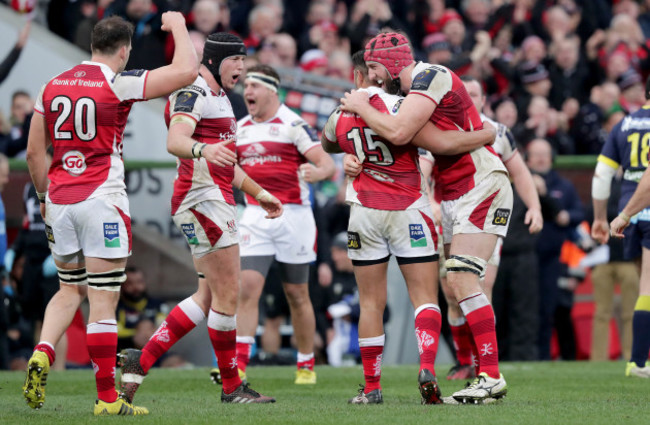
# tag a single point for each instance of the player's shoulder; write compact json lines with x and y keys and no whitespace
{"x":424,"y":74}
{"x":289,"y":117}
{"x":198,"y":86}
{"x":246,"y":121}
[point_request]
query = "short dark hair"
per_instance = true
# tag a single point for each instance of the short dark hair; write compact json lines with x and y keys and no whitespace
{"x":359,"y":63}
{"x":470,"y":79}
{"x":266,"y":70}
{"x":110,"y":34}
{"x":19,"y":93}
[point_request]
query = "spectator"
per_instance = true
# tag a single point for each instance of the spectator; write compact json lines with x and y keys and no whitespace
{"x":569,"y":76}
{"x":539,"y":158}
{"x":340,"y":65}
{"x":263,"y":21}
{"x":535,"y":82}
{"x":148,"y":41}
{"x":14,"y":143}
{"x":543,"y":122}
{"x":505,"y":111}
{"x":616,"y":271}
{"x":367,"y":18}
{"x":4,"y":179}
{"x":11,"y":59}
{"x":587,"y":130}
{"x":278,"y":50}
{"x":89,"y":17}
{"x":632,"y":91}
{"x":314,"y":61}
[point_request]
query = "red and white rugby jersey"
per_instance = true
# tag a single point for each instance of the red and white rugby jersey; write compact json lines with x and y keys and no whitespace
{"x":457,"y":174}
{"x":391,"y":178}
{"x":85,"y":110}
{"x":504,"y":144}
{"x":197,"y":179}
{"x":270,"y":152}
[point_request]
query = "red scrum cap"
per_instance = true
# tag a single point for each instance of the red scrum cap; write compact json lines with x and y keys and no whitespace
{"x":391,"y":50}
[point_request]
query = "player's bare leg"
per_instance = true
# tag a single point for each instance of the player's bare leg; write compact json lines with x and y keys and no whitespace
{"x":488,"y":282}
{"x":304,"y":329}
{"x":252,"y":285}
{"x":470,"y":252}
{"x":372,"y":283}
{"x":637,"y":365}
{"x":221,"y":269}
{"x":421,"y":282}
{"x":58,"y":315}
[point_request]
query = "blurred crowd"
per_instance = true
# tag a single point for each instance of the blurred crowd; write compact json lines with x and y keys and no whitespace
{"x":562,"y":72}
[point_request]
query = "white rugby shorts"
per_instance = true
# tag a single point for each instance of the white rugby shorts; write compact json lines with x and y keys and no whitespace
{"x":484,"y":209}
{"x":375,"y":234}
{"x":291,"y":238}
{"x":208,"y":226}
{"x":98,"y":227}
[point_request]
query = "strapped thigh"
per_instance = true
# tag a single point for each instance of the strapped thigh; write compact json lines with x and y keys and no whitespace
{"x":73,"y":276}
{"x":107,"y":281}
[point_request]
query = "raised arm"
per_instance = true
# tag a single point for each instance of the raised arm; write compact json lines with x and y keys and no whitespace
{"x":185,"y":65}
{"x":399,"y":129}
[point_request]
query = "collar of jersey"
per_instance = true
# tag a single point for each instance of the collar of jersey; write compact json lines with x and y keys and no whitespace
{"x":107,"y":69}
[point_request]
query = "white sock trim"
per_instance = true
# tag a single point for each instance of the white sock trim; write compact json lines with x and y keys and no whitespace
{"x":425,"y":306}
{"x":132,"y":378}
{"x":250,"y":340}
{"x":102,"y":326}
{"x":473,"y":302}
{"x":221,"y":322}
{"x":304,"y":357}
{"x":457,"y":322}
{"x":192,"y":310}
{"x":46,"y":343}
{"x":375,"y":341}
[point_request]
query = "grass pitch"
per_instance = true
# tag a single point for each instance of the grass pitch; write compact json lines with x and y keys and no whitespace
{"x":539,"y":393}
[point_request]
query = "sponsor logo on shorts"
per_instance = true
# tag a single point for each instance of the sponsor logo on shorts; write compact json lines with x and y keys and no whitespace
{"x":354,"y":241}
{"x":302,"y":251}
{"x":111,"y":235}
{"x":232,"y":226}
{"x":245,"y":240}
{"x":418,"y":237}
{"x":49,"y":233}
{"x":74,"y":162}
{"x":190,"y":233}
{"x":501,"y":216}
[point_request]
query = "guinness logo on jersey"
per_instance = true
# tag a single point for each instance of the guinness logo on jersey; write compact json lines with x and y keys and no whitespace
{"x":74,"y":162}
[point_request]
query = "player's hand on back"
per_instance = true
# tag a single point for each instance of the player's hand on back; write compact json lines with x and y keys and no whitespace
{"x":600,"y":231}
{"x":490,"y":127}
{"x":354,"y":100}
{"x":220,"y":154}
{"x":171,"y":19}
{"x":351,"y":165}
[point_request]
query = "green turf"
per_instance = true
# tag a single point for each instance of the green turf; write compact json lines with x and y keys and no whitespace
{"x":539,"y":393}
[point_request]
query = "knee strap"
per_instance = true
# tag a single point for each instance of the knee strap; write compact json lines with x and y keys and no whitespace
{"x":466,"y":263}
{"x":73,"y":276}
{"x":107,"y":281}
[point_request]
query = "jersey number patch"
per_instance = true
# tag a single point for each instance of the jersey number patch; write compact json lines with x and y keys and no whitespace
{"x":84,"y":119}
{"x":639,"y":153}
{"x":367,"y":147}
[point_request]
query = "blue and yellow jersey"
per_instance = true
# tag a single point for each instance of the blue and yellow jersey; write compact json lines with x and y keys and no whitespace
{"x":628,"y":146}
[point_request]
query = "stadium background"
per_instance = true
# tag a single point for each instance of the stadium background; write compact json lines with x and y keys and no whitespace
{"x":151,"y":171}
